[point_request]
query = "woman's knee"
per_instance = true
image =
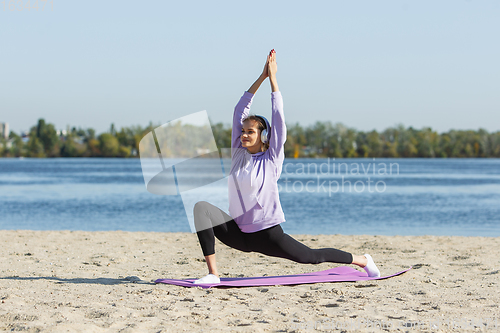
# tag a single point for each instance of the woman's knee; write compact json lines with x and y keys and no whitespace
{"x":200,"y":206}
{"x":201,"y":216}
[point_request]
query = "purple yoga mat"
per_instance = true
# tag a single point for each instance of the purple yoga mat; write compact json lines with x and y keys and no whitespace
{"x":338,"y":274}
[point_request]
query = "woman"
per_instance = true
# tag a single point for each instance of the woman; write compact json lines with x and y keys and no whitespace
{"x":257,"y":159}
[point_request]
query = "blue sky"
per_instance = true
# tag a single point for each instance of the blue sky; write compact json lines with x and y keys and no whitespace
{"x":366,"y":64}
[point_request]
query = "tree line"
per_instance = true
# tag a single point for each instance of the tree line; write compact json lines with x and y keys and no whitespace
{"x":322,"y":139}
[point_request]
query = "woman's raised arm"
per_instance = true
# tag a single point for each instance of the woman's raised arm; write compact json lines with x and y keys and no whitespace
{"x":278,"y":127}
{"x":242,"y":109}
{"x":255,"y":86}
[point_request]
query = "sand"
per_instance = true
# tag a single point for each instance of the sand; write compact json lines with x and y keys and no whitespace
{"x":60,"y":281}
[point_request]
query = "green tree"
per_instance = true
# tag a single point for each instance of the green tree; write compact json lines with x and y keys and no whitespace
{"x":46,"y":135}
{"x":108,"y":145}
{"x":93,"y":149}
{"x":49,"y":139}
{"x":494,"y":139}
{"x":407,"y":143}
{"x":90,"y":134}
{"x":69,"y":148}
{"x":444,"y":148}
{"x":295,"y":141}
{"x":374,"y":143}
{"x":426,"y":143}
{"x":17,"y":148}
{"x":348,"y":141}
{"x":222,"y":135}
{"x":112,"y":130}
{"x":124,"y":151}
{"x":389,"y":139}
{"x":3,"y":147}
{"x":35,"y":147}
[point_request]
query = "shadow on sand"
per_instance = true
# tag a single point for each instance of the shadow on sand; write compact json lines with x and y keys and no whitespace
{"x":104,"y":281}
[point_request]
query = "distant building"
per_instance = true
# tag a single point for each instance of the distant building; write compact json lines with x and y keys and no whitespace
{"x":200,"y":151}
{"x":4,"y":130}
{"x":25,"y":136}
{"x":79,"y":140}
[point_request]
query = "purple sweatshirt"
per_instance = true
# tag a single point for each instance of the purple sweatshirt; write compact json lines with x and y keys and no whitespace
{"x":256,"y":205}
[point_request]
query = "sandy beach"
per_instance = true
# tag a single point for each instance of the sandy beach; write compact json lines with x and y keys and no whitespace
{"x":60,"y":281}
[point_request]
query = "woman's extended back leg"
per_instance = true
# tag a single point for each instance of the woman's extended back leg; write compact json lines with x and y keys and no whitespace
{"x":274,"y":242}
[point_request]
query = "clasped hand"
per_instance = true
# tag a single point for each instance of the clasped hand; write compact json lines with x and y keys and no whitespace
{"x":271,"y":66}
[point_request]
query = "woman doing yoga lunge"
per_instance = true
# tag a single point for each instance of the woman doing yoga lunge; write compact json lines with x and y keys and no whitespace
{"x":257,"y":155}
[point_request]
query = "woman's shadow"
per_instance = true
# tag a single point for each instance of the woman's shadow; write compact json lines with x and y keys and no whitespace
{"x":105,"y":281}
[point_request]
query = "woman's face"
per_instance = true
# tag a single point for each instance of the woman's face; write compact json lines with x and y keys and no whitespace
{"x":250,"y":136}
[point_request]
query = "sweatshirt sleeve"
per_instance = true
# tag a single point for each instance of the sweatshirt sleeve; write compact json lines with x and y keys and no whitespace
{"x":278,"y":128}
{"x":241,"y":111}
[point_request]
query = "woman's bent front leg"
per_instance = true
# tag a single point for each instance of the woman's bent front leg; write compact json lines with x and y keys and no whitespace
{"x":211,"y":222}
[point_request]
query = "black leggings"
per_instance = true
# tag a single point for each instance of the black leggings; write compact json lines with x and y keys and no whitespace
{"x":272,"y":241}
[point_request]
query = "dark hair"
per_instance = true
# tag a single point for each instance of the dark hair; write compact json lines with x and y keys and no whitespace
{"x":261,"y":126}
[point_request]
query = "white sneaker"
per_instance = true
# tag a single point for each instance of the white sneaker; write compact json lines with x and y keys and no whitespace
{"x":371,"y":268}
{"x":210,"y":278}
